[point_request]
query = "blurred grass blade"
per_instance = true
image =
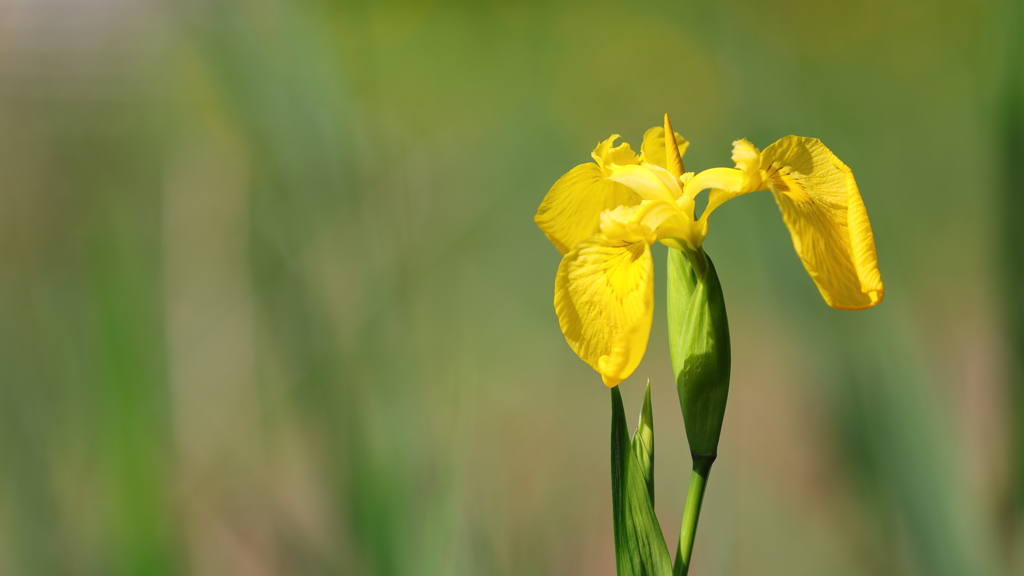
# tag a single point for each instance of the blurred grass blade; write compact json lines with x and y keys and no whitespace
{"x":1012,"y":267}
{"x":639,"y":545}
{"x":643,"y":442}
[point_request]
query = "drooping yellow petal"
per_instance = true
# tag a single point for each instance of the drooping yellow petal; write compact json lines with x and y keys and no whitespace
{"x":604,"y":298}
{"x":653,"y":150}
{"x":825,"y":214}
{"x":571,"y":210}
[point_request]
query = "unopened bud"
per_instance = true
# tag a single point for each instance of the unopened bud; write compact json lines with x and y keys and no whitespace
{"x":699,"y":343}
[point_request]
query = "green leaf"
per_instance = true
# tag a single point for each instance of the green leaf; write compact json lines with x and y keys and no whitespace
{"x":640,"y":548}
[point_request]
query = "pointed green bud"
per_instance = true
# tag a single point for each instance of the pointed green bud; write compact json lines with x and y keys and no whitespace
{"x":640,"y":548}
{"x":643,"y":442}
{"x":699,"y":345}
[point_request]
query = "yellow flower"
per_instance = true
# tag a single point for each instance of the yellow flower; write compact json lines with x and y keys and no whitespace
{"x":604,"y":216}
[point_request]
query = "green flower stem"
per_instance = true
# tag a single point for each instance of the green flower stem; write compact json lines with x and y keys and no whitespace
{"x":691,"y":514}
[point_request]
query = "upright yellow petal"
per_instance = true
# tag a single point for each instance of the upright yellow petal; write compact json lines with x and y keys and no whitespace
{"x":571,"y":210}
{"x":825,"y":214}
{"x":604,"y":298}
{"x":653,"y":150}
{"x":607,"y":155}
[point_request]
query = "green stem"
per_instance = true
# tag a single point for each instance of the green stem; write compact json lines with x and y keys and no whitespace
{"x":691,"y":514}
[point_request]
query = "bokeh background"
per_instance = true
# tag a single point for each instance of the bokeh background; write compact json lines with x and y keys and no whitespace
{"x":272,"y":300}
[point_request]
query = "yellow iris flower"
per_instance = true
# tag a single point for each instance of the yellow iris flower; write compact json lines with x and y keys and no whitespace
{"x":604,"y":216}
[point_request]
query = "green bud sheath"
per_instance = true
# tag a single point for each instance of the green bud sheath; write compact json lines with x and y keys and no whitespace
{"x":698,"y":332}
{"x":643,"y":442}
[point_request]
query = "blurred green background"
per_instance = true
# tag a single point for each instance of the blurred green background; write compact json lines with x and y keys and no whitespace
{"x":272,"y":300}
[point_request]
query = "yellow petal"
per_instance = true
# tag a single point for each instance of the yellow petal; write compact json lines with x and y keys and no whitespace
{"x":747,"y":159}
{"x":607,"y":155}
{"x":728,"y":179}
{"x":651,"y":182}
{"x":571,"y":211}
{"x":825,"y":214}
{"x":727,"y":183}
{"x":679,"y":230}
{"x":654,"y":146}
{"x":656,"y":219}
{"x":635,"y":223}
{"x":604,"y":298}
{"x":652,"y":221}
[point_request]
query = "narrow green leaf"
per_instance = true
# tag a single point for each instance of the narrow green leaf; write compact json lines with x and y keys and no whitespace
{"x":640,"y":548}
